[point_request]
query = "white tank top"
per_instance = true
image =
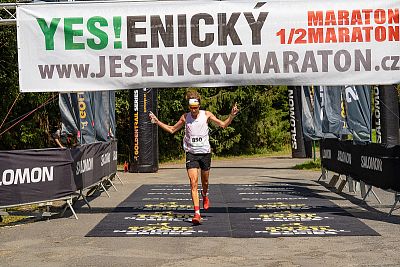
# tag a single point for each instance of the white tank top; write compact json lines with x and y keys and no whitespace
{"x":196,"y":138}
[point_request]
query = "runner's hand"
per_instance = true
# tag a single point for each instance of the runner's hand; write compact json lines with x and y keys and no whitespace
{"x":153,"y":117}
{"x":234,"y":110}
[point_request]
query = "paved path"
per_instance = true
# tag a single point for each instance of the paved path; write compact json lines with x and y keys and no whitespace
{"x":62,"y":241}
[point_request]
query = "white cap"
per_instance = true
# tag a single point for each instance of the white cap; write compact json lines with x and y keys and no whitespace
{"x":193,"y":102}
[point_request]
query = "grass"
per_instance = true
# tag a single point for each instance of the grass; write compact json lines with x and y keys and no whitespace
{"x":14,"y":219}
{"x":309,"y":165}
{"x":286,"y":151}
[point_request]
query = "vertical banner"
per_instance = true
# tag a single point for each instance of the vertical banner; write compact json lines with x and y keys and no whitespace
{"x":358,"y":111}
{"x":319,"y":112}
{"x":113,"y":125}
{"x":144,"y":148}
{"x":68,"y":104}
{"x":389,"y":107}
{"x":86,"y":118}
{"x":377,"y":113}
{"x":101,"y":115}
{"x":333,"y":122}
{"x":307,"y":115}
{"x":299,"y":147}
{"x":318,"y":109}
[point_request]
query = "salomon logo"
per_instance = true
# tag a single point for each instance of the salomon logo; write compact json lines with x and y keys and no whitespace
{"x":27,"y":175}
{"x":292,"y":119}
{"x":84,"y":166}
{"x":344,"y":157}
{"x":105,"y":158}
{"x":371,"y":163}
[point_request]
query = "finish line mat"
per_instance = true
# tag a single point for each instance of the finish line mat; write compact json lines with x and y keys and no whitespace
{"x":237,"y":210}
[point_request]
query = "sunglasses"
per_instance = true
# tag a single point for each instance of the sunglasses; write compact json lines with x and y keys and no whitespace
{"x":193,"y":107}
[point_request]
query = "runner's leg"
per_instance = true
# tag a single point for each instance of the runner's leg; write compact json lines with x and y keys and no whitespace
{"x":204,"y":181}
{"x":193,"y":177}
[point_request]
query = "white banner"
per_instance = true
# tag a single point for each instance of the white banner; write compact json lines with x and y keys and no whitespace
{"x":122,"y":45}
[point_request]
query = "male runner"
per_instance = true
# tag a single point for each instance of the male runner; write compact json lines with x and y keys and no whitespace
{"x":196,"y":145}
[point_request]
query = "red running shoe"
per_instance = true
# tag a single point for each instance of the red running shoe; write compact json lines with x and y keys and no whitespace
{"x":206,"y":201}
{"x":196,"y":219}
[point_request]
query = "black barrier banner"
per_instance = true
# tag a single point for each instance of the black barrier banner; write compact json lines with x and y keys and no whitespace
{"x":337,"y":156}
{"x":45,"y":174}
{"x":144,"y":148}
{"x":86,"y":117}
{"x":68,"y":104}
{"x":85,"y":173}
{"x":114,"y":156}
{"x":374,"y":164}
{"x":92,"y":162}
{"x":35,"y":175}
{"x":358,"y":111}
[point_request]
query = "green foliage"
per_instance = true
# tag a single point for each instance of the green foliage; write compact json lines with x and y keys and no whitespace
{"x":122,"y":123}
{"x":261,"y":123}
{"x":33,"y":131}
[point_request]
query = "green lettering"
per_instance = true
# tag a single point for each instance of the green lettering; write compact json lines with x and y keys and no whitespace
{"x":48,"y":31}
{"x":93,"y":29}
{"x":70,"y":33}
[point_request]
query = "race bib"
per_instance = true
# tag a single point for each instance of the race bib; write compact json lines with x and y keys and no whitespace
{"x":197,"y":141}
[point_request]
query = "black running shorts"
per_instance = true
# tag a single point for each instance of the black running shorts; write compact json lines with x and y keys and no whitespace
{"x":202,"y":161}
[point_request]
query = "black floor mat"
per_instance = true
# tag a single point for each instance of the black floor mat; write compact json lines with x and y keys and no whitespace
{"x":241,"y":210}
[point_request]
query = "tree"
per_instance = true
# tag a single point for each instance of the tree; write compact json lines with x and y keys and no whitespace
{"x":34,"y":130}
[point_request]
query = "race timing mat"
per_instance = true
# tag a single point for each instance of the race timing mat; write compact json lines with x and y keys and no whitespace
{"x":237,"y":210}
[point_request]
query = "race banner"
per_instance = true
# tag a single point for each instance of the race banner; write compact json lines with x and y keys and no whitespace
{"x":127,"y":45}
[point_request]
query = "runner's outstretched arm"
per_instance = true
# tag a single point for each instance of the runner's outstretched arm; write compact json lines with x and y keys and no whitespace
{"x":226,"y":122}
{"x":166,"y":127}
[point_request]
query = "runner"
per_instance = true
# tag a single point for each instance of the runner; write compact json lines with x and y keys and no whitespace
{"x":196,"y":145}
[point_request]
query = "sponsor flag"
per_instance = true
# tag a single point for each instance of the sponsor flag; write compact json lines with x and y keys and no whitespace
{"x":102,"y":115}
{"x":358,"y":111}
{"x":319,"y":112}
{"x":113,"y":125}
{"x":68,"y":104}
{"x":332,"y":121}
{"x":86,"y":118}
